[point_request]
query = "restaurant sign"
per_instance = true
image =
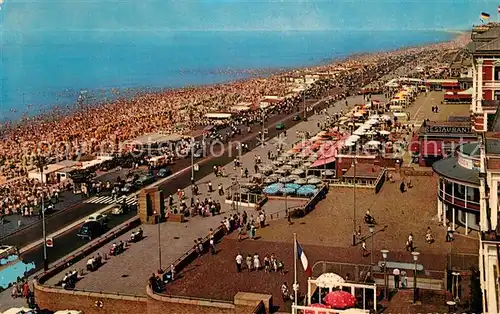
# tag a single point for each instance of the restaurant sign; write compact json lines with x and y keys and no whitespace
{"x":448,"y":129}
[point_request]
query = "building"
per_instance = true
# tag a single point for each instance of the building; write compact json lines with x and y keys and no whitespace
{"x":485,"y":50}
{"x":458,"y":188}
{"x":438,"y":139}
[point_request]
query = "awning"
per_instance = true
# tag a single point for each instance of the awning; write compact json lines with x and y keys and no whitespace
{"x":322,"y":162}
{"x":432,"y":148}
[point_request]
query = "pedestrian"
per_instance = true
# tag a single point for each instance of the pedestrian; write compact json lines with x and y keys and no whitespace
{"x":252,"y":232}
{"x":267,"y":264}
{"x":249,"y":262}
{"x":396,"y":274}
{"x":364,"y":249}
{"x":213,"y":249}
{"x":404,"y":280}
{"x":402,"y":187}
{"x":256,"y":261}
{"x":239,"y":260}
{"x":210,"y":188}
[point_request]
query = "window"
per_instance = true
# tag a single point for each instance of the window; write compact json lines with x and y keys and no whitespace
{"x":497,"y":95}
{"x":496,"y":73}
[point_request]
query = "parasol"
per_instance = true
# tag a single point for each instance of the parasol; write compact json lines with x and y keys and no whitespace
{"x":287,"y":190}
{"x":298,"y":172}
{"x":258,"y":176}
{"x":340,"y":299}
{"x":373,"y":143}
{"x":287,"y":167}
{"x":271,"y":180}
{"x":285,"y":180}
{"x":313,"y":181}
{"x":300,"y":181}
{"x":384,"y":132}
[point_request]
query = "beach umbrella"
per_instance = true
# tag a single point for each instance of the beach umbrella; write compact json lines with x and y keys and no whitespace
{"x":294,"y":177}
{"x":386,"y":117}
{"x":312,"y":176}
{"x":285,"y":180}
{"x":286,"y":155}
{"x":295,"y":162}
{"x":281,"y":171}
{"x":277,"y":163}
{"x":300,"y":181}
{"x":314,"y":181}
{"x":294,"y":186}
{"x":298,"y":172}
{"x":371,"y":122}
{"x":353,"y":138}
{"x":349,"y":144}
{"x":270,"y":180}
{"x":373,"y":143}
{"x":258,"y":176}
{"x":285,"y":190}
{"x":357,"y":115}
{"x":312,"y":158}
{"x":374,"y":116}
{"x":328,"y":173}
{"x":287,"y":167}
{"x":307,"y":164}
{"x":280,"y":158}
{"x":384,"y":132}
{"x":340,"y":299}
{"x":359,"y":132}
{"x":316,"y":305}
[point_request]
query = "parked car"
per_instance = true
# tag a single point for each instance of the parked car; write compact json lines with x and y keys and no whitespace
{"x":91,"y":230}
{"x":280,"y":126}
{"x":297,"y":118}
{"x":120,"y":209}
{"x":164,"y":172}
{"x":144,"y":180}
{"x":100,"y":218}
{"x":127,"y":188}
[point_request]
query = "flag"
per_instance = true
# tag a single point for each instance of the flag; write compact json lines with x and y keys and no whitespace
{"x":303,"y":259}
{"x":484,"y":16}
{"x":498,"y":9}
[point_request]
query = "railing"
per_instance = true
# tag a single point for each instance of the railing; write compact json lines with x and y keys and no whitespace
{"x":458,"y":201}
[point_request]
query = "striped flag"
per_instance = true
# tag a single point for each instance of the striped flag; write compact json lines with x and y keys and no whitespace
{"x":484,"y":16}
{"x":303,"y":259}
{"x":498,"y":9}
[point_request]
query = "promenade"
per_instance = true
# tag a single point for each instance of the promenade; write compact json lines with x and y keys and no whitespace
{"x":128,"y":272}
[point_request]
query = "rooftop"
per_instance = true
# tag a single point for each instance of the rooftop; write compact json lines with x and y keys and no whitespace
{"x":450,"y":168}
{"x":470,"y":149}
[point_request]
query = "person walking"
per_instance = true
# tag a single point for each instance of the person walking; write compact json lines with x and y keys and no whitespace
{"x":239,"y":261}
{"x":396,"y":273}
{"x":256,"y":261}
{"x":249,"y":262}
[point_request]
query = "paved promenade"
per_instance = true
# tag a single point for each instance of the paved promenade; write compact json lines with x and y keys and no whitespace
{"x":128,"y":272}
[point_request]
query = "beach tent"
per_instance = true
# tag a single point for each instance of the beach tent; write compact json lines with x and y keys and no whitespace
{"x":217,"y":115}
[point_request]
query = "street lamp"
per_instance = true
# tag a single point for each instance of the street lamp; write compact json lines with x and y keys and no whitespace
{"x":415,"y":259}
{"x":158,"y":218}
{"x":354,"y":205}
{"x":40,"y":164}
{"x":372,"y":230}
{"x":384,"y":255}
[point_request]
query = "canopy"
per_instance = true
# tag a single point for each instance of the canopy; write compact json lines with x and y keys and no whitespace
{"x":240,"y":108}
{"x":373,"y":143}
{"x":316,"y":305}
{"x":329,"y":280}
{"x":217,"y":115}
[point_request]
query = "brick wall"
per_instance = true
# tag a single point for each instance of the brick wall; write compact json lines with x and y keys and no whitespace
{"x":90,"y":303}
{"x":60,"y":299}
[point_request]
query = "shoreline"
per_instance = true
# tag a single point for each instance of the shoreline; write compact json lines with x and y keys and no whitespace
{"x":129,"y":93}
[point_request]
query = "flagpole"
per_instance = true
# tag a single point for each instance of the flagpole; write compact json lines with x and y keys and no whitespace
{"x":295,"y":270}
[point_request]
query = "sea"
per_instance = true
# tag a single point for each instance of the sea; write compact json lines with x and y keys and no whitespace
{"x":53,"y":51}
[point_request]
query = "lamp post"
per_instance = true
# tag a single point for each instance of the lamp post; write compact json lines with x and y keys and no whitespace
{"x":372,"y":230}
{"x":40,"y":165}
{"x":386,"y":290}
{"x":158,"y":217}
{"x":415,"y":259}
{"x":263,"y":137}
{"x":354,"y":205}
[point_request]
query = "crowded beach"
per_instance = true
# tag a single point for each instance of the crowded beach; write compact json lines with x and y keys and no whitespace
{"x":101,"y":129}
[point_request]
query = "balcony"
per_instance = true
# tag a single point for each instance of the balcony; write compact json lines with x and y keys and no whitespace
{"x":458,"y":201}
